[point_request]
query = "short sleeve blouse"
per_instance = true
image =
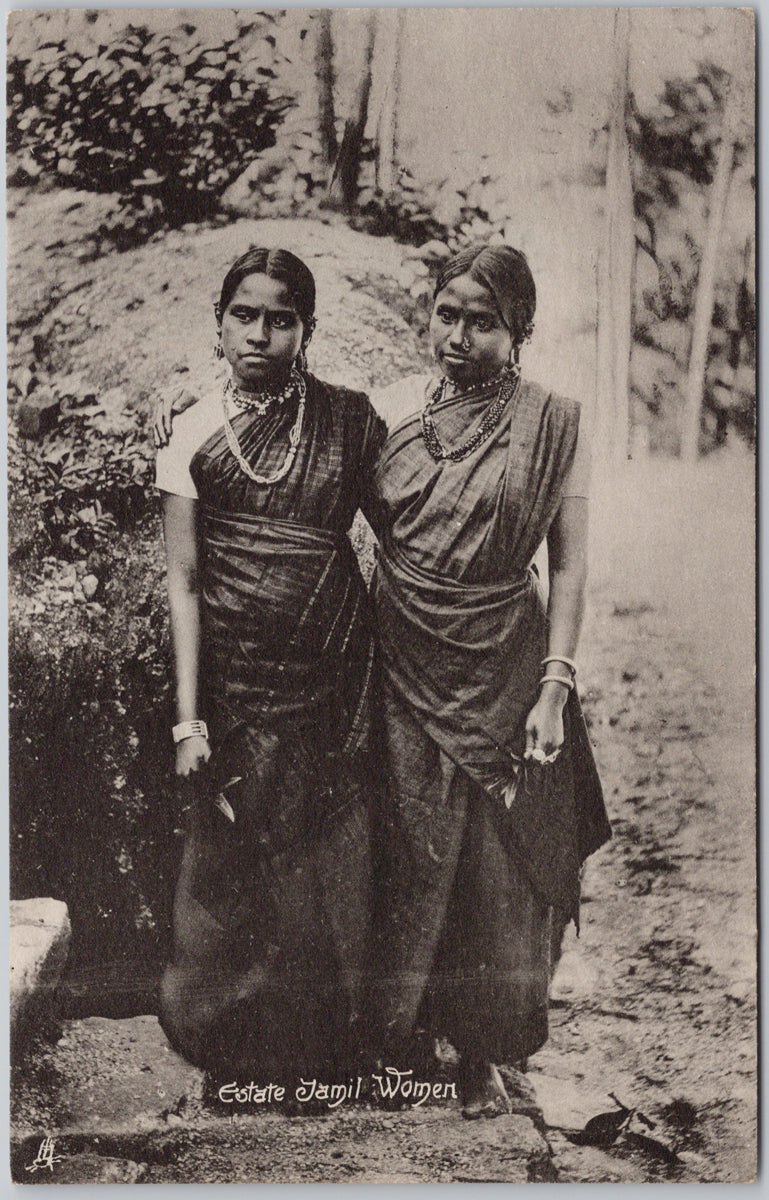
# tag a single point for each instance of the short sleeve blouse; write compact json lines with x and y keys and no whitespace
{"x":191,"y":429}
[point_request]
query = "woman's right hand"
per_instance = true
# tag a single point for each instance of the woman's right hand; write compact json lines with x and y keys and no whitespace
{"x":174,"y":400}
{"x":191,"y":754}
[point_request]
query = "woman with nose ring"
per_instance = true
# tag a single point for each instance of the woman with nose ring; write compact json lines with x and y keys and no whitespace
{"x":273,"y":650}
{"x":491,"y":797}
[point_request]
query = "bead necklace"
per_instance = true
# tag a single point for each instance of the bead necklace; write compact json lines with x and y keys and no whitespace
{"x":508,"y":387}
{"x":259,"y":402}
{"x":298,"y":385}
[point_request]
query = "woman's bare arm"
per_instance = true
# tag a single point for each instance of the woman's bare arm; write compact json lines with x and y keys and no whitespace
{"x":567,"y":570}
{"x":181,"y":541}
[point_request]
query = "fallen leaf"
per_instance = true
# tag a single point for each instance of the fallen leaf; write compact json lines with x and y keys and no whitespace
{"x":602,"y":1130}
{"x":225,"y":807}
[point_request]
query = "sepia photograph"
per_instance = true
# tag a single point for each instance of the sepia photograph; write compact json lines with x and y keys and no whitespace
{"x":381,"y":474}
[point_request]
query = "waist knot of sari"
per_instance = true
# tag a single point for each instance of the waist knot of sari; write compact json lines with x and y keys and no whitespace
{"x":463,"y":656}
{"x":287,"y":627}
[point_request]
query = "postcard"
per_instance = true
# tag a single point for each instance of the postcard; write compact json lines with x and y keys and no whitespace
{"x":381,"y":463}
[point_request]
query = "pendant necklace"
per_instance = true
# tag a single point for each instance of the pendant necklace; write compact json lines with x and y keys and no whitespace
{"x":259,"y":404}
{"x":511,"y":379}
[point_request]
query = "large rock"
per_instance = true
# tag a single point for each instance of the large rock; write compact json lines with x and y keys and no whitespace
{"x":39,"y":941}
{"x":121,"y":1076}
{"x":38,"y":414}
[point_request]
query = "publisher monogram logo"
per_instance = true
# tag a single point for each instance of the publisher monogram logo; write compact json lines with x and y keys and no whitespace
{"x":46,"y":1156}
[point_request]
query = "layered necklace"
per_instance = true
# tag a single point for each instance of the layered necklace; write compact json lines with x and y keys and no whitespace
{"x":259,"y":402}
{"x":509,"y":381}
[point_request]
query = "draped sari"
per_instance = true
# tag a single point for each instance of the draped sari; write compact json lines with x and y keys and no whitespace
{"x":271,"y":917}
{"x":470,"y":884}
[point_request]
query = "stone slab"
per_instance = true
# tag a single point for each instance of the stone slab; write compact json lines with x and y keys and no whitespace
{"x":39,"y":941}
{"x":565,"y":1103}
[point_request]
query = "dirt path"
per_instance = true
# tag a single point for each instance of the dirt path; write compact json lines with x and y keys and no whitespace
{"x":656,"y":1001}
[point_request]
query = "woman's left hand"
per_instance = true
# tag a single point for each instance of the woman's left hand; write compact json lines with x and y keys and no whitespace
{"x":544,"y":725}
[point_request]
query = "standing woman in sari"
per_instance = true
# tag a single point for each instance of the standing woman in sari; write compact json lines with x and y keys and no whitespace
{"x":273,"y":652}
{"x":491,"y":800}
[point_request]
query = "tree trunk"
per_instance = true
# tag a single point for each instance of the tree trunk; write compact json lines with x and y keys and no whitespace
{"x":616,"y":264}
{"x":348,"y":159}
{"x":324,"y":74}
{"x":387,"y":156}
{"x":706,"y":282}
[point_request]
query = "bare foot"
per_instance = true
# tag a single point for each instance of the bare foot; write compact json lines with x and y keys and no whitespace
{"x":482,"y":1091}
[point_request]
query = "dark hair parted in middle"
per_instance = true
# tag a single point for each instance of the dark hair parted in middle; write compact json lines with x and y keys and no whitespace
{"x":505,"y":273}
{"x":280,"y":265}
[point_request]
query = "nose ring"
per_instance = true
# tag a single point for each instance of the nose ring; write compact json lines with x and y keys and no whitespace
{"x":465,"y":343}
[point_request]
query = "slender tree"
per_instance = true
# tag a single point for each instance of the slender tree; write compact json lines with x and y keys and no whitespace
{"x":348,"y":158}
{"x":324,"y":75}
{"x":387,"y":131}
{"x":616,"y":262}
{"x":706,"y":279}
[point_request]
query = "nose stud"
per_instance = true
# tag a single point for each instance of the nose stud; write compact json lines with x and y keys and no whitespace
{"x":465,"y":343}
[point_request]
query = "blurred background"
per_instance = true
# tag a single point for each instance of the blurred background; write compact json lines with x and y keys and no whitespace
{"x":615,"y":147}
{"x":147,"y":148}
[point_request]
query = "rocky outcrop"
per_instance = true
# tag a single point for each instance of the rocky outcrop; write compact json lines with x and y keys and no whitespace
{"x":39,"y":941}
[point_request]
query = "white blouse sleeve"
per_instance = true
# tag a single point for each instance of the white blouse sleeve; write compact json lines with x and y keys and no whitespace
{"x":401,"y":399}
{"x":189,"y":431}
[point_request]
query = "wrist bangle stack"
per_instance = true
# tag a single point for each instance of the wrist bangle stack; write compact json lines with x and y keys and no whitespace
{"x":559,"y":658}
{"x":568,"y":683}
{"x":567,"y":680}
{"x":188,"y":729}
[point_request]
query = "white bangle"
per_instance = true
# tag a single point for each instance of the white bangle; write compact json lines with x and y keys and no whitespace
{"x":188,"y":729}
{"x":568,"y":683}
{"x":567,"y":662}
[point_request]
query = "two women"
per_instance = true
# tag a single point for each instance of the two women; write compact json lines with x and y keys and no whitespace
{"x":489,"y":799}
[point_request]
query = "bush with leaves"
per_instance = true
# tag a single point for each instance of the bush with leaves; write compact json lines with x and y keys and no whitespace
{"x":88,"y":478}
{"x":435,"y":209}
{"x":93,"y":805}
{"x":167,"y":119}
{"x":675,"y":146}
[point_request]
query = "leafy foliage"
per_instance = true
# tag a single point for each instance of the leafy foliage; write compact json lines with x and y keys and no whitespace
{"x":674,"y":150}
{"x":679,"y":134}
{"x":435,"y":209}
{"x":166,"y":119}
{"x":93,"y":805}
{"x":89,"y":478}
